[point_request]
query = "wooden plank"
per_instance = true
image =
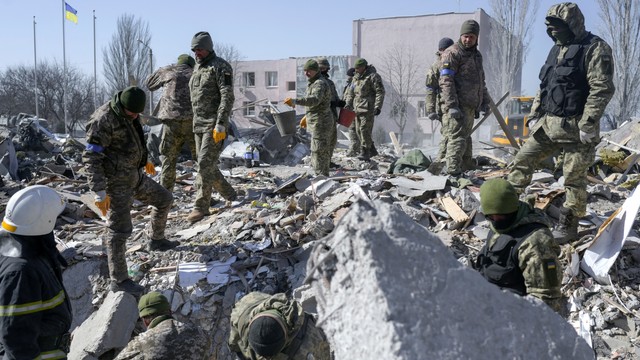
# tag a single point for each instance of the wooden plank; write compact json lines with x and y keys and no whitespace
{"x":456,"y":213}
{"x":503,"y":125}
{"x":395,"y":142}
{"x":488,"y":113}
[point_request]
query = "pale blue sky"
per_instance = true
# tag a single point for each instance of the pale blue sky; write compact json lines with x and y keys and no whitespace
{"x":259,"y":29}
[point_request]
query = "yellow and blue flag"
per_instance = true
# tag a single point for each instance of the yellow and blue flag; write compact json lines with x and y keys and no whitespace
{"x":70,"y":13}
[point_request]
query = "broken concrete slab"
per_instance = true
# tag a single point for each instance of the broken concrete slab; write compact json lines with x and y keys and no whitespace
{"x":108,"y":328}
{"x":416,"y":188}
{"x":78,"y":281}
{"x":371,"y":303}
{"x":324,"y":188}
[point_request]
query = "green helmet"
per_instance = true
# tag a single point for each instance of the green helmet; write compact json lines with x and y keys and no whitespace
{"x":498,"y":196}
{"x":153,"y":303}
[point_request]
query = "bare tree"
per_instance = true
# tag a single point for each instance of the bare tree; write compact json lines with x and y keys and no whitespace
{"x":621,"y":20}
{"x":126,"y":59}
{"x":230,"y":53}
{"x":400,"y":70}
{"x":509,"y":46}
{"x":17,"y":94}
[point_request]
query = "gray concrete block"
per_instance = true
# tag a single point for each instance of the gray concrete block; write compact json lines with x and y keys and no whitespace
{"x":108,"y":328}
{"x":78,"y":284}
{"x":389,"y":289}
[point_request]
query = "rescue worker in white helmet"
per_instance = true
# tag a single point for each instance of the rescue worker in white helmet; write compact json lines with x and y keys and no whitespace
{"x":35,"y":312}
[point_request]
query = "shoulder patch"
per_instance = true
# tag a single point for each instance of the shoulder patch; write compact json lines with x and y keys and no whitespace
{"x":446,"y":65}
{"x":228,"y":79}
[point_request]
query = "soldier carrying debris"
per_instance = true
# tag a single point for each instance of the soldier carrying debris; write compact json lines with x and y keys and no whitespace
{"x":35,"y":311}
{"x":519,"y":254}
{"x":576,"y":86}
{"x":166,"y":338}
{"x":269,"y":326}
{"x":115,"y":157}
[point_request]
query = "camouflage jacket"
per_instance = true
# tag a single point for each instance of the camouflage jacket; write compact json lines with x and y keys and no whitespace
{"x":212,"y":97}
{"x":334,"y":95}
{"x":462,"y":83}
{"x":366,"y":92}
{"x":302,"y":332}
{"x":537,"y":255}
{"x":317,"y":103}
{"x":115,"y":145}
{"x":432,"y":100}
{"x":175,"y":103}
{"x":168,"y":339}
{"x":599,"y":68}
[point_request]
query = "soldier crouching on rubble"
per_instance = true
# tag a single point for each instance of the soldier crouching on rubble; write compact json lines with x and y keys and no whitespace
{"x":272,"y":326}
{"x":520,"y":254}
{"x":35,"y":312}
{"x":115,"y":157}
{"x":166,"y":338}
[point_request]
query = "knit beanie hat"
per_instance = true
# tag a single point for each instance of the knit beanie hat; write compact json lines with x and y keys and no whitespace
{"x":267,"y":336}
{"x":444,"y":43}
{"x":498,"y":196}
{"x":133,"y":99}
{"x":186,"y":59}
{"x":153,"y":303}
{"x":202,"y":40}
{"x":311,"y":64}
{"x":361,"y":63}
{"x":470,"y":27}
{"x":323,"y":61}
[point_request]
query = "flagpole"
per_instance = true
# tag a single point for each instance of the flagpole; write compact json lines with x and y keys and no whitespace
{"x":95,"y":73}
{"x":64,"y":64}
{"x":35,"y":67}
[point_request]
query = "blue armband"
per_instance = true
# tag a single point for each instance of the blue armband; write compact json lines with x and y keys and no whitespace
{"x":447,"y":72}
{"x":94,"y":148}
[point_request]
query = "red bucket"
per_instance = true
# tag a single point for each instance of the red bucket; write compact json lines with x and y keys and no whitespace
{"x":346,"y":117}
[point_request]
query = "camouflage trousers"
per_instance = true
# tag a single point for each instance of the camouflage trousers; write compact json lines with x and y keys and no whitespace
{"x":577,"y":157}
{"x":321,"y":151}
{"x":442,"y":146}
{"x":457,"y":135}
{"x":364,"y":127}
{"x":334,"y":138}
{"x":175,"y":134}
{"x":209,"y":176}
{"x":122,"y":191}
{"x":354,"y":148}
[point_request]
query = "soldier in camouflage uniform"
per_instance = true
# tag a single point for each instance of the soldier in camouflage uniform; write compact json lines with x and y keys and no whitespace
{"x":432,"y":101}
{"x":166,"y":338}
{"x":463,"y":94}
{"x":576,"y":86}
{"x":365,"y":97}
{"x":114,"y":158}
{"x":175,"y":113}
{"x":354,"y":149}
{"x":274,"y":327}
{"x":520,"y":254}
{"x":336,"y":102}
{"x":211,"y":87}
{"x":320,"y":120}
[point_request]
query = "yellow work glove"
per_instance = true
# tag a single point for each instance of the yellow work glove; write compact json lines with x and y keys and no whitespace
{"x":102,"y":201}
{"x":219,"y":133}
{"x":303,"y":122}
{"x":289,"y":101}
{"x":150,"y":168}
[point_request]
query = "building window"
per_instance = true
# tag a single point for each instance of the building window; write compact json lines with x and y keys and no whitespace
{"x":271,"y":78}
{"x":249,"y":79}
{"x":291,"y":85}
{"x":249,"y":110}
{"x":422,"y":109}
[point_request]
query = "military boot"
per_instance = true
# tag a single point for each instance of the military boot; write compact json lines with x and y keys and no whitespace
{"x":373,"y":150}
{"x":161,"y":245}
{"x":567,"y":228}
{"x":196,"y":215}
{"x":365,"y":154}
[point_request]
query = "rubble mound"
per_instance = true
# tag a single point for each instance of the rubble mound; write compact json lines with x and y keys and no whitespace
{"x":389,"y":289}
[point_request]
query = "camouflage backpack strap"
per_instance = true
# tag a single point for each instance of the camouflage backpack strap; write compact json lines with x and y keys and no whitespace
{"x":295,"y":344}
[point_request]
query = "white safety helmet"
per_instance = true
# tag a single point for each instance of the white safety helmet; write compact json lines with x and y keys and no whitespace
{"x":33,"y":211}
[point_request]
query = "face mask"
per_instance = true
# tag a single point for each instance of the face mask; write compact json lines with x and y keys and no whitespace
{"x":564,"y":36}
{"x":504,"y":223}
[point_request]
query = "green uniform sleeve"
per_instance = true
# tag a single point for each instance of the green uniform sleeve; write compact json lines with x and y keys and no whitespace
{"x":225,"y":84}
{"x":449,"y":66}
{"x":315,"y":95}
{"x":536,"y":108}
{"x":379,"y":90}
{"x":349,"y":95}
{"x":599,"y":67}
{"x":541,"y":269}
{"x":98,"y":138}
{"x":432,"y":87}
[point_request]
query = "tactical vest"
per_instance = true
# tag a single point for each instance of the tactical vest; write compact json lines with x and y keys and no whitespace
{"x":500,"y":265}
{"x":564,"y":87}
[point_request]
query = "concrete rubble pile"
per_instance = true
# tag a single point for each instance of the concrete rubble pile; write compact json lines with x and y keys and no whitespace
{"x":399,"y":276}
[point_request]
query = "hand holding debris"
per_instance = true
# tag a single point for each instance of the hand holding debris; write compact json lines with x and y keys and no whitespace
{"x":103,"y":201}
{"x":289,"y":101}
{"x":586,"y":137}
{"x":303,"y":122}
{"x":150,"y":168}
{"x":219,"y":133}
